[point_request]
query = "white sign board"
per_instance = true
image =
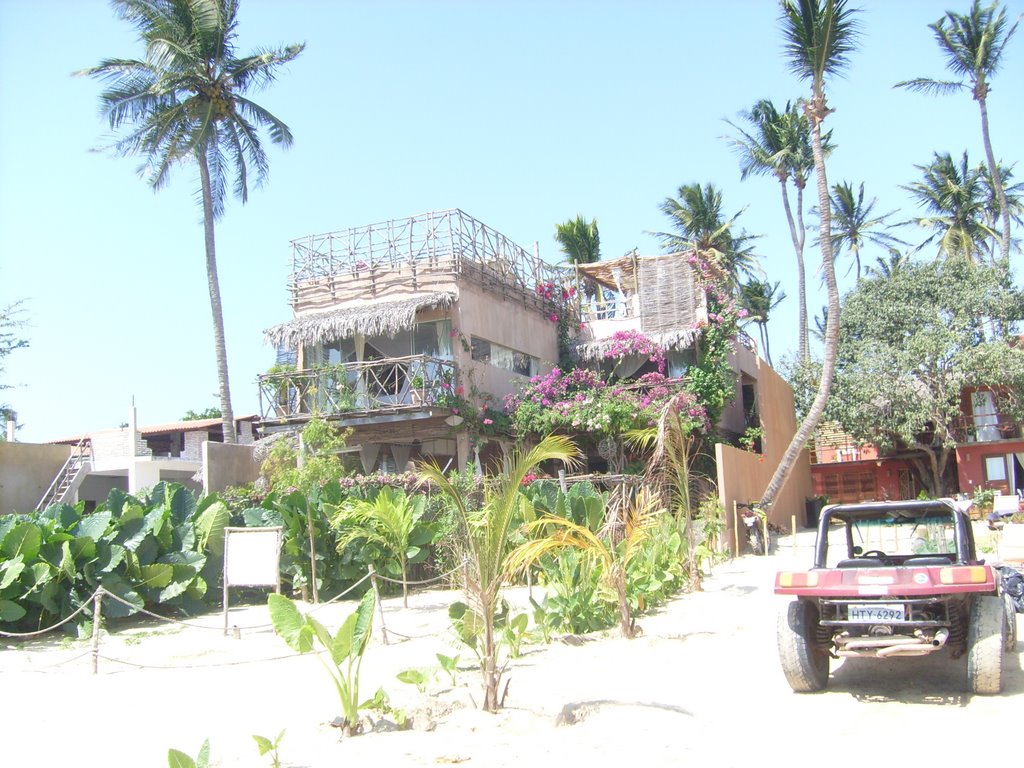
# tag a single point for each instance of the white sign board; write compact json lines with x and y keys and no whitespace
{"x":252,"y":557}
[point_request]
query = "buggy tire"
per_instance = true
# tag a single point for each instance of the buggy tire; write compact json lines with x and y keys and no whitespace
{"x":804,"y":660}
{"x":1010,"y":616}
{"x":985,"y":643}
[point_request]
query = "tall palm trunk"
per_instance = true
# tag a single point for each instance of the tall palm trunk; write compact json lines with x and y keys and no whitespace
{"x":816,"y":112}
{"x":797,"y":235}
{"x":997,"y":182}
{"x":227,"y":415}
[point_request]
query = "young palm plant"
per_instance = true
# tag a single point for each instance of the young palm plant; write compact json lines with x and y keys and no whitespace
{"x":671,"y":467}
{"x":486,"y":533}
{"x":388,"y":520}
{"x":614,"y":552}
{"x":186,"y":102}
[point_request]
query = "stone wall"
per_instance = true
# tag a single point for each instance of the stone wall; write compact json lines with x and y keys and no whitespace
{"x":26,"y":471}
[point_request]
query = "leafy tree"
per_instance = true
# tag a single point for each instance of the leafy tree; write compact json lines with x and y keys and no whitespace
{"x":209,"y":413}
{"x":922,"y":331}
{"x":779,"y":144}
{"x":854,"y":223}
{"x":820,"y":35}
{"x":700,"y":225}
{"x":486,"y":532}
{"x":11,"y":321}
{"x":954,"y":197}
{"x":760,"y":298}
{"x":186,"y":103}
{"x":973,"y":44}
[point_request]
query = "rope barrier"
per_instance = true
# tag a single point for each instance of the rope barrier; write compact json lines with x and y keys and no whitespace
{"x":424,"y":581}
{"x":60,"y":623}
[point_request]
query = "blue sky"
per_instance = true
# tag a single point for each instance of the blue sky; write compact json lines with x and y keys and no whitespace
{"x":522,"y":114}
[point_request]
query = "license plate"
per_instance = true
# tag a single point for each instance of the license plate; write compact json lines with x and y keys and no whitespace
{"x":877,"y":613}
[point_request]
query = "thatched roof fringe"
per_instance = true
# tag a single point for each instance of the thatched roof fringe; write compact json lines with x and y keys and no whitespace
{"x":680,"y":339}
{"x":382,"y":318}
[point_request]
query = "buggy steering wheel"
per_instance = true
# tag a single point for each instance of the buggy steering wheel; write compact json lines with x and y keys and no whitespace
{"x":873,"y":553}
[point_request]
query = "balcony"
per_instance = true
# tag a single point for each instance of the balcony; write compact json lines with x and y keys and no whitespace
{"x":391,"y":385}
{"x":983,"y":427}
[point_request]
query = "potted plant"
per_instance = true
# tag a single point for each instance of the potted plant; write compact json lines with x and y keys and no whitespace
{"x":416,"y":389}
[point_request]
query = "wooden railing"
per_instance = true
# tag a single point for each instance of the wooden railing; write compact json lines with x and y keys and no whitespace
{"x":984,"y":427}
{"x":395,"y":383}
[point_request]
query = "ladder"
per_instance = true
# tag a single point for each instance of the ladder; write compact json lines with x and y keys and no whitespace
{"x":66,"y":479}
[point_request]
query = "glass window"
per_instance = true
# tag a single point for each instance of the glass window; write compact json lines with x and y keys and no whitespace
{"x":503,"y":357}
{"x":995,"y":468}
{"x":481,"y":350}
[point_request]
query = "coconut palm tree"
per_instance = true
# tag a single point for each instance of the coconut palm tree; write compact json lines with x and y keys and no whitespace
{"x":853,"y":224}
{"x":486,"y":533}
{"x":579,"y":240}
{"x":186,"y":102}
{"x":1014,"y":202}
{"x":700,"y":225}
{"x":888,"y":266}
{"x":759,"y":298}
{"x":956,"y":202}
{"x":779,"y":144}
{"x":820,"y":36}
{"x":973,"y":44}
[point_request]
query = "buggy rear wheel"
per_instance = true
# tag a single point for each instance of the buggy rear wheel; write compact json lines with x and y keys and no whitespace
{"x":804,"y":660}
{"x":1010,"y":616}
{"x":985,"y":643}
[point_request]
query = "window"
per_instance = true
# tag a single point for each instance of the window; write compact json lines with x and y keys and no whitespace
{"x":503,"y":357}
{"x":995,"y":469}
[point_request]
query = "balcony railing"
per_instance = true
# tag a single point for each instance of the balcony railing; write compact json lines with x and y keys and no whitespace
{"x":391,"y":384}
{"x":985,"y":427}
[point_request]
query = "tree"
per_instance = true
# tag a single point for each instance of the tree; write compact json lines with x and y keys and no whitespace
{"x":853,"y":224}
{"x":923,"y":331}
{"x":186,"y":103}
{"x":485,"y":532}
{"x":697,"y":217}
{"x":973,"y":45}
{"x":206,"y":413}
{"x":820,"y":36}
{"x":579,"y":240}
{"x":11,"y":321}
{"x":779,"y":144}
{"x":759,"y":298}
{"x":954,"y":198}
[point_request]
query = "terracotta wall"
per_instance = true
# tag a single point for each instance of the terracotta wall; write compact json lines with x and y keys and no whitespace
{"x":744,"y":476}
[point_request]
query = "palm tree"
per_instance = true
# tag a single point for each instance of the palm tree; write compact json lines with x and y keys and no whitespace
{"x":973,"y":45}
{"x":853,"y":224}
{"x":184,"y":103}
{"x":887,"y":267}
{"x":1012,"y":194}
{"x":820,"y":36}
{"x":486,"y":533}
{"x":579,"y":240}
{"x":388,"y":520}
{"x":700,"y":225}
{"x":956,"y":201}
{"x":779,"y":144}
{"x":615,"y":556}
{"x":759,"y":298}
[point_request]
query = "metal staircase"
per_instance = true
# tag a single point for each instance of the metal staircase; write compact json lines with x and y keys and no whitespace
{"x":70,"y":475}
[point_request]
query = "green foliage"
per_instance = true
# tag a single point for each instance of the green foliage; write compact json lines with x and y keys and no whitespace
{"x":266,"y":746}
{"x":178,"y":759}
{"x":929,"y":331}
{"x":11,"y":321}
{"x":162,"y":548}
{"x":344,"y":648}
{"x":390,"y":520}
{"x":577,"y":600}
{"x":208,"y":413}
{"x":319,"y":465}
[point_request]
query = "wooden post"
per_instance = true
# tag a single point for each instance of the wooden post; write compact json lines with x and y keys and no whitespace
{"x":96,"y":616}
{"x":561,"y":481}
{"x":735,"y":530}
{"x":764,"y":526}
{"x":380,"y":606}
